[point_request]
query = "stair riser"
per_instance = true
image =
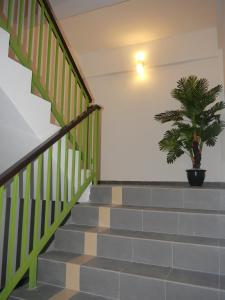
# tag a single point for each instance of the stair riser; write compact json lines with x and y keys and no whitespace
{"x":52,"y":272}
{"x":207,"y":199}
{"x":117,"y":285}
{"x":162,"y":253}
{"x":71,"y":241}
{"x":202,"y":258}
{"x":193,"y":224}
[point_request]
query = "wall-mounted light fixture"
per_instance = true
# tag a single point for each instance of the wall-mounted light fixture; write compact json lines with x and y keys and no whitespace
{"x":140,"y":57}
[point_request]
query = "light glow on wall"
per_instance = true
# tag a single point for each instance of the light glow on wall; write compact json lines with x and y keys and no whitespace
{"x":140,"y":57}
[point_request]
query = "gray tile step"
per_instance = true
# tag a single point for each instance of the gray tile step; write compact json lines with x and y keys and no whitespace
{"x":178,"y":251}
{"x":196,"y":222}
{"x":46,"y":291}
{"x":132,"y":281}
{"x":182,"y":197}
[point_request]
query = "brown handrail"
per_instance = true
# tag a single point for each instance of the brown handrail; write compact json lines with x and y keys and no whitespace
{"x":31,"y":156}
{"x":54,"y":21}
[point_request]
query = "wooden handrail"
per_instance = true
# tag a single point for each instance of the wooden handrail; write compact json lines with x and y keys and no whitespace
{"x":31,"y":156}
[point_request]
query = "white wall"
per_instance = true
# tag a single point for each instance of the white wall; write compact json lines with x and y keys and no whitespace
{"x":130,"y":134}
{"x":221,"y":26}
{"x":17,"y":139}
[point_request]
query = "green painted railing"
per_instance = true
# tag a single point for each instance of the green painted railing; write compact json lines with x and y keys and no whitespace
{"x":39,"y":191}
{"x":38,"y":44}
{"x":43,"y":187}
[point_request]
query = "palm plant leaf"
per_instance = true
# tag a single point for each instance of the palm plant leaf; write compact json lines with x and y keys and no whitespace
{"x":211,"y":95}
{"x":171,"y":144}
{"x":168,"y":116}
{"x":197,"y":120}
{"x":211,"y":132}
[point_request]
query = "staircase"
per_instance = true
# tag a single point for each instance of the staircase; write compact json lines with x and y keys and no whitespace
{"x":41,"y":184}
{"x":126,"y":243}
{"x":131,"y":243}
{"x":31,"y":107}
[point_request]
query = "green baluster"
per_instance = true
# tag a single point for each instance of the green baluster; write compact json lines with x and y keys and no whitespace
{"x":90,"y":157}
{"x":2,"y":190}
{"x":40,"y":42}
{"x":75,"y":97}
{"x":25,"y":214}
{"x":20,"y":23}
{"x":85,"y":137}
{"x":33,"y":273}
{"x":65,"y":195}
{"x":58,"y":180}
{"x":73,"y":163}
{"x":48,"y":190}
{"x":48,"y":57}
{"x":96,"y":142}
{"x":81,"y":99}
{"x":86,"y":102}
{"x":63,"y":87}
{"x":56,"y":72}
{"x":31,"y":32}
{"x":10,"y":14}
{"x":69,"y":96}
{"x":12,"y":229}
{"x":33,"y":266}
{"x":79,"y":155}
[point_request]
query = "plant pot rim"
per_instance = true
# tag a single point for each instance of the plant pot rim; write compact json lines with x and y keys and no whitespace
{"x":201,"y":170}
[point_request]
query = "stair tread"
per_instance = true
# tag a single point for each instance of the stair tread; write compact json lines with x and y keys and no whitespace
{"x":161,"y":185}
{"x":143,"y":270}
{"x":154,"y":208}
{"x":147,"y":235}
{"x":46,"y":291}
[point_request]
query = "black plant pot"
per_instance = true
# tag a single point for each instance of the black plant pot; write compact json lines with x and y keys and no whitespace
{"x":196,"y":176}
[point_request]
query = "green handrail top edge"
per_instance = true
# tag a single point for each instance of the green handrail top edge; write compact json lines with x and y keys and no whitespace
{"x":51,"y":13}
{"x":32,"y":155}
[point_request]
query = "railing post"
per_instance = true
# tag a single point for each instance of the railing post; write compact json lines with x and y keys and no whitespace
{"x":12,"y":229}
{"x":33,"y":265}
{"x":1,"y":204}
{"x":33,"y":274}
{"x":96,"y":147}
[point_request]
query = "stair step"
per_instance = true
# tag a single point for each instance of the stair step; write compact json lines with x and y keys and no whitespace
{"x":127,"y":280}
{"x":180,"y":197}
{"x":196,"y":222}
{"x":47,"y":292}
{"x":178,"y":251}
{"x":4,"y":42}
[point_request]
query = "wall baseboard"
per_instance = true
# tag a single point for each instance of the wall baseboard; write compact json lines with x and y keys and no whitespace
{"x":162,"y":183}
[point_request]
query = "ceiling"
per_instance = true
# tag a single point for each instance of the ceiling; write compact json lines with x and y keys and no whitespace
{"x":91,"y":25}
{"x":68,"y":8}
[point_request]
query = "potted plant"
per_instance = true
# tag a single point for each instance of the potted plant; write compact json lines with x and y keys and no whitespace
{"x":195,"y":123}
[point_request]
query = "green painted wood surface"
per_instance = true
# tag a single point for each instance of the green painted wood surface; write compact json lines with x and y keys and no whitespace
{"x":27,"y":41}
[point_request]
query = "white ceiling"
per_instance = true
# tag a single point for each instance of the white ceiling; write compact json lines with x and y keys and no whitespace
{"x":132,"y":22}
{"x":68,"y":8}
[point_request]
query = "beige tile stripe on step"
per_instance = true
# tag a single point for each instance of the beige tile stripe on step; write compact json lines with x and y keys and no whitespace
{"x":64,"y":295}
{"x":117,"y":195}
{"x":90,"y":250}
{"x":90,"y":243}
{"x":104,"y":217}
{"x":73,"y":271}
